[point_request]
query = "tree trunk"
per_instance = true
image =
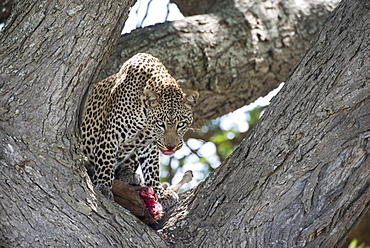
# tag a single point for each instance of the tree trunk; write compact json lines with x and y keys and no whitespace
{"x":301,"y":178}
{"x":231,"y":56}
{"x":51,"y":51}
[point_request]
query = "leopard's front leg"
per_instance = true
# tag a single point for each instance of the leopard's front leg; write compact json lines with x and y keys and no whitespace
{"x":149,"y":162}
{"x":104,"y":162}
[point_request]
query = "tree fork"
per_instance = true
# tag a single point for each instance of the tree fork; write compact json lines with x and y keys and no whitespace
{"x":46,"y":199}
{"x":301,"y":177}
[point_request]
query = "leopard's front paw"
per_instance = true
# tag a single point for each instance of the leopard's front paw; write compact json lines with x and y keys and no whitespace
{"x":105,"y":190}
{"x":132,"y":179}
{"x":129,"y":176}
{"x":168,"y":199}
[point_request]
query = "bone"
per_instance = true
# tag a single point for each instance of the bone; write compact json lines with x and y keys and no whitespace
{"x":187,"y":177}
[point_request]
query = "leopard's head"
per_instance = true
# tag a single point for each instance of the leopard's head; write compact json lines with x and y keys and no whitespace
{"x":169,"y":115}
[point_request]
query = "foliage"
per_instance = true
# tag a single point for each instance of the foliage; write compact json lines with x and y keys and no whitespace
{"x":212,"y":144}
{"x":354,"y":244}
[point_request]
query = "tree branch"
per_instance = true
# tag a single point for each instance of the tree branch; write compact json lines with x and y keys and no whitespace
{"x":231,"y":57}
{"x":302,"y":171}
{"x":194,"y":7}
{"x":50,"y":52}
{"x":301,"y":178}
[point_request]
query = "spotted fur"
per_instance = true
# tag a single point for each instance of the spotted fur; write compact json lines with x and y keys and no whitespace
{"x":130,"y":117}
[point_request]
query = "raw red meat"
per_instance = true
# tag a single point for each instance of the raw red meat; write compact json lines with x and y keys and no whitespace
{"x":150,"y":202}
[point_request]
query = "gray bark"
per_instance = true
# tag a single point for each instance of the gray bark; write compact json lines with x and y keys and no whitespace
{"x":301,"y":178}
{"x":194,"y":7}
{"x":231,"y":56}
{"x":50,"y":52}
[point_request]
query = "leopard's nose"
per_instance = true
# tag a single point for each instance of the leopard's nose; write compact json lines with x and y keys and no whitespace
{"x":170,"y":146}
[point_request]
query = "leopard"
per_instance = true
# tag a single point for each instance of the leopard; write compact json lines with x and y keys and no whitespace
{"x":130,"y":118}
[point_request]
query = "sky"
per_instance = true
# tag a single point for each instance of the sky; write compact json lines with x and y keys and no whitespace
{"x":158,"y":11}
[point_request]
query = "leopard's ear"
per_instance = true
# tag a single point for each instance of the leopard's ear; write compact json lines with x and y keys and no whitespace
{"x":150,"y":98}
{"x":191,"y":99}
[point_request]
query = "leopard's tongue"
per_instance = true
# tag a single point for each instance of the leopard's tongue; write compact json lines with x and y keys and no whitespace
{"x":168,"y":152}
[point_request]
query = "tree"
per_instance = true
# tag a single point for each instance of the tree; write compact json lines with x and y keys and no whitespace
{"x":301,"y":178}
{"x":315,"y":111}
{"x":234,"y":53}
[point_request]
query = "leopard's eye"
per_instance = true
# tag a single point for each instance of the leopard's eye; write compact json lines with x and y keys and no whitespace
{"x":161,"y":124}
{"x":181,"y":124}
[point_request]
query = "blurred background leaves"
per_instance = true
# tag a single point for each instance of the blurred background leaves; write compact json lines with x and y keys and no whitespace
{"x":205,"y":149}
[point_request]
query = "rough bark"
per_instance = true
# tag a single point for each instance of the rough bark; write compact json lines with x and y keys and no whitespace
{"x":311,"y":173}
{"x":50,"y":52}
{"x":301,"y":178}
{"x":231,"y":57}
{"x":194,"y":7}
